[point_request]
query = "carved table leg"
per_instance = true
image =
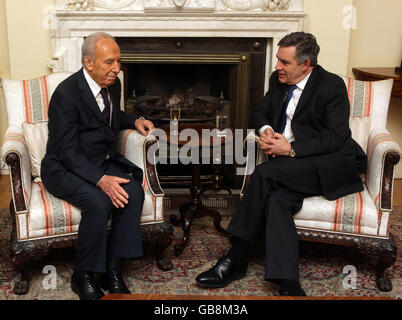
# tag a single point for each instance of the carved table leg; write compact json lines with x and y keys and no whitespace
{"x":162,"y":243}
{"x":181,"y":244}
{"x":387,"y":257}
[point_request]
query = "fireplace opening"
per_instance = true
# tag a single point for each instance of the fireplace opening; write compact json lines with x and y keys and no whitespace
{"x":199,"y":90}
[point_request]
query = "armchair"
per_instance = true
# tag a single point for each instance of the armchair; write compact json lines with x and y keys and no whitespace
{"x":359,"y":220}
{"x":41,"y":221}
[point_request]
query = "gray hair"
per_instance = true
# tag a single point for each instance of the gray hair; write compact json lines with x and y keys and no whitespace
{"x":306,"y":46}
{"x":89,"y":46}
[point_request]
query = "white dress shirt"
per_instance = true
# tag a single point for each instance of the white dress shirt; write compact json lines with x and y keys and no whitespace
{"x":96,"y":88}
{"x":291,"y":109}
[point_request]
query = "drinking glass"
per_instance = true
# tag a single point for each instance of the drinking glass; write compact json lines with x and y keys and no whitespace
{"x":174,"y":119}
{"x":221,"y":124}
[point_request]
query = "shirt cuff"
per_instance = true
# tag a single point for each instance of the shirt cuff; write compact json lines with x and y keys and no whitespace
{"x":100,"y":180}
{"x":262,"y":129}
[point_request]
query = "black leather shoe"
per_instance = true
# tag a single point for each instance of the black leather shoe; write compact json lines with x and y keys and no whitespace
{"x":84,"y":284}
{"x":223,"y":273}
{"x":113,"y":281}
{"x":292,"y":289}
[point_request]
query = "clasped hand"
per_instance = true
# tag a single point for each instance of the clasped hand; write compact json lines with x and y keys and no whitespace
{"x":273,"y":143}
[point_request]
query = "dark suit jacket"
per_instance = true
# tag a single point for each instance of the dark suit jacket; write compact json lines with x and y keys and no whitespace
{"x":80,"y":140}
{"x":320,"y":127}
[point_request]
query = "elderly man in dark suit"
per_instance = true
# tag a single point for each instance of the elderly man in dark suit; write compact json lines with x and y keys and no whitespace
{"x":303,"y":123}
{"x":82,"y":166}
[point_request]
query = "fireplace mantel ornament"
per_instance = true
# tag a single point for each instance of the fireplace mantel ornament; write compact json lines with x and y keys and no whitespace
{"x":180,"y":5}
{"x":271,"y":5}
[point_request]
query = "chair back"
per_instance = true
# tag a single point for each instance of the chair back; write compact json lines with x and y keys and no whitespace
{"x":369,"y":101}
{"x":28,"y":100}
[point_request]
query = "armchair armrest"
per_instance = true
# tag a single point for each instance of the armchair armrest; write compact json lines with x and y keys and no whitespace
{"x":15,"y":154}
{"x":137,"y":148}
{"x":254,"y":157}
{"x":383,"y":154}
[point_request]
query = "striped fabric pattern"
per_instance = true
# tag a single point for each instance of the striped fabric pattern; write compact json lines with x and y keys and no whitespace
{"x":360,"y":95}
{"x":49,"y":215}
{"x":58,"y":213}
{"x":376,"y":140}
{"x":14,"y":136}
{"x":348,"y":213}
{"x":36,"y":99}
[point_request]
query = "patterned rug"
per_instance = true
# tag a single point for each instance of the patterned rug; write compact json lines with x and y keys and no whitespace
{"x":321,"y":268}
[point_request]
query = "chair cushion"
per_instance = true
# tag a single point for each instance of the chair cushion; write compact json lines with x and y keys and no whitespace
{"x":36,"y":135}
{"x":50,"y":216}
{"x":354,"y":213}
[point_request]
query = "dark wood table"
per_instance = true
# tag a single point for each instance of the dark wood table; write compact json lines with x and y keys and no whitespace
{"x":373,"y":74}
{"x":195,"y":209}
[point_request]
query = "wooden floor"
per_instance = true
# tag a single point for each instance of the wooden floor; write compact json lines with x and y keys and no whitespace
{"x":5,"y":192}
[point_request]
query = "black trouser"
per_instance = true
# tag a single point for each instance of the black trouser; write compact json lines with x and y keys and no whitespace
{"x":92,"y":248}
{"x":275,"y":192}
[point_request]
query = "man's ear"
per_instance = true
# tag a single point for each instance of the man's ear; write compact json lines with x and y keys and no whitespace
{"x":88,"y":63}
{"x":306,"y":64}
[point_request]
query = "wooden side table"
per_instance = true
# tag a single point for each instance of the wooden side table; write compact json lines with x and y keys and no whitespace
{"x":195,"y":209}
{"x":373,"y":74}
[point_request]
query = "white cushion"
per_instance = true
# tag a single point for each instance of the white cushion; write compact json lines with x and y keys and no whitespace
{"x":355,"y":213}
{"x":36,"y":135}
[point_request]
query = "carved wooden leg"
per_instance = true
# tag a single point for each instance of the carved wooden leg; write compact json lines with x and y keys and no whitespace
{"x":20,"y":261}
{"x":162,"y":243}
{"x":387,"y":257}
{"x":19,"y":258}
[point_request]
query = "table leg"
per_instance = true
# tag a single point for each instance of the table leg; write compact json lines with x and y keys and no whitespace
{"x":196,"y":210}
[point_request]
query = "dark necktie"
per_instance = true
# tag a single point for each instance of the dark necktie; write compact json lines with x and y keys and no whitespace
{"x":106,"y":102}
{"x":282,"y":117}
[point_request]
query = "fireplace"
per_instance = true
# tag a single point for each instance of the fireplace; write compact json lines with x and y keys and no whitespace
{"x":205,"y":74}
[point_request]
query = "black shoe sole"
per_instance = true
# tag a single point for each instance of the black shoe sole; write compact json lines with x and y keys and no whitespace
{"x":221,"y":285}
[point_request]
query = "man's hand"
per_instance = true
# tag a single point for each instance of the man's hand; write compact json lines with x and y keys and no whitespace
{"x":111,"y":186}
{"x":274,"y":145}
{"x":144,"y":126}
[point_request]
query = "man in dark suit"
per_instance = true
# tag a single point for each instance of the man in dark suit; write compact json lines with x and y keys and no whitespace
{"x":82,"y":166}
{"x":303,"y":126}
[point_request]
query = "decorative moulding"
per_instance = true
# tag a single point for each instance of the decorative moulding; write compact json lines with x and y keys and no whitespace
{"x":181,"y":5}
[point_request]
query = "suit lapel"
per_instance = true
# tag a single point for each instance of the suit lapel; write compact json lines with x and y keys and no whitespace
{"x":88,"y":97}
{"x":114,"y":95}
{"x":308,"y":90}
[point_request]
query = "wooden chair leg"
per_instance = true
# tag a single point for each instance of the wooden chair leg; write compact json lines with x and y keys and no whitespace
{"x":386,"y":249}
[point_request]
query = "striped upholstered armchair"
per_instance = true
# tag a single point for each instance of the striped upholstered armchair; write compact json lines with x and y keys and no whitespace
{"x":40,"y":220}
{"x":360,"y":219}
